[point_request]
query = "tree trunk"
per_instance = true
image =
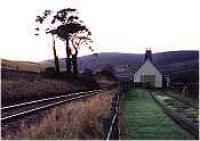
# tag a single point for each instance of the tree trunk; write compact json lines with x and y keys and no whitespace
{"x":74,"y":63}
{"x":56,"y":61}
{"x":68,"y":54}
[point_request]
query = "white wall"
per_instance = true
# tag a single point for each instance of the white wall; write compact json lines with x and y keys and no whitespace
{"x":148,"y":69}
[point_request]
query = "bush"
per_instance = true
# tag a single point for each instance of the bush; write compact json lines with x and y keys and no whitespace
{"x":50,"y":72}
{"x":108,"y":70}
{"x":87,"y":80}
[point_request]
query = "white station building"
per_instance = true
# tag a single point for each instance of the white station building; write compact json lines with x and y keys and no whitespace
{"x":148,"y":72}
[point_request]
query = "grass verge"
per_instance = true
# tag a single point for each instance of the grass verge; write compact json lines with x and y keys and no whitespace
{"x":75,"y":120}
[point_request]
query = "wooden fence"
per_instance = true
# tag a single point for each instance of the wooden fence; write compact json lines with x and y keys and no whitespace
{"x":111,"y":124}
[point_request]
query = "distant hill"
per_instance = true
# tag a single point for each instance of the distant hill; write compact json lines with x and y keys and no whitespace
{"x":171,"y":62}
{"x":121,"y":59}
{"x":181,"y":65}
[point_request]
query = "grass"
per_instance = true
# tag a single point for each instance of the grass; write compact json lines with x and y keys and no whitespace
{"x":19,"y":87}
{"x":21,"y":65}
{"x":144,"y":119}
{"x":23,"y":90}
{"x":75,"y":120}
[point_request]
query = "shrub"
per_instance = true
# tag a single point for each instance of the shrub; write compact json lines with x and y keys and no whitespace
{"x":108,"y":70}
{"x":87,"y":80}
{"x":50,"y":72}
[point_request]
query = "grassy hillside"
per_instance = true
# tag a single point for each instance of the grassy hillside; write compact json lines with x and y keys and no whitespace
{"x":178,"y":64}
{"x":21,"y":81}
{"x":21,"y":65}
{"x":122,"y":59}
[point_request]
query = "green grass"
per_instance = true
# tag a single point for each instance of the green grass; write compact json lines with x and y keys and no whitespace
{"x":144,"y":119}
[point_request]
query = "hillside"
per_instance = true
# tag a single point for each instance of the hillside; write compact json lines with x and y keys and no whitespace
{"x":121,"y":59}
{"x":21,"y":65}
{"x":175,"y":63}
{"x":22,"y":81}
{"x":172,"y":62}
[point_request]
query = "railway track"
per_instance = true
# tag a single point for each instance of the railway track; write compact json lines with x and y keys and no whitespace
{"x":15,"y":112}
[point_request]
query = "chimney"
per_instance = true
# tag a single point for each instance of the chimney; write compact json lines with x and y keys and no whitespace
{"x":148,"y":54}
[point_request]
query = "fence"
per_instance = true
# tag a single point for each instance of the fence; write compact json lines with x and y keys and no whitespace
{"x":111,"y":124}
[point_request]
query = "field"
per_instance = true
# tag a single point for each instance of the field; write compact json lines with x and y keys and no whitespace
{"x":21,"y":65}
{"x":144,"y":119}
{"x":23,"y":82}
{"x":15,"y":91}
{"x":76,"y":120}
{"x":26,"y":83}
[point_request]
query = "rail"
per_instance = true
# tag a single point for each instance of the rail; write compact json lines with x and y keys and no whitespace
{"x":43,"y":100}
{"x":46,"y":103}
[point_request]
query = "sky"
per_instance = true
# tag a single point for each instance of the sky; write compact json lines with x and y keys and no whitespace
{"x":128,"y":26}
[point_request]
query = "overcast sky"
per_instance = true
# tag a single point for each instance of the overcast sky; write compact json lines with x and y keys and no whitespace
{"x":117,"y":26}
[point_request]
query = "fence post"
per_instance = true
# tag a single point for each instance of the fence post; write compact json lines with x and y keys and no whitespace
{"x":116,"y":129}
{"x":106,"y":126}
{"x":111,"y":127}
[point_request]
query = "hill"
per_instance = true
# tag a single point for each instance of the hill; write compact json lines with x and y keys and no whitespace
{"x":21,"y":65}
{"x":22,"y":81}
{"x":172,"y":62}
{"x":121,"y":59}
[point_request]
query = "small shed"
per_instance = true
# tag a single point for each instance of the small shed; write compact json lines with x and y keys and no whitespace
{"x":148,"y":72}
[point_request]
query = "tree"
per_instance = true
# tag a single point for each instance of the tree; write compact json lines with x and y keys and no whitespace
{"x":55,"y":27}
{"x":78,"y":34}
{"x":67,"y":27}
{"x":78,"y":40}
{"x":55,"y":56}
{"x":64,"y":29}
{"x":40,"y":20}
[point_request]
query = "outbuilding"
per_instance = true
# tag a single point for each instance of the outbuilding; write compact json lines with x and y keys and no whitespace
{"x":148,"y":72}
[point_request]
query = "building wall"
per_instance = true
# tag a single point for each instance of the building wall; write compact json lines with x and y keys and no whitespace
{"x":148,"y":69}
